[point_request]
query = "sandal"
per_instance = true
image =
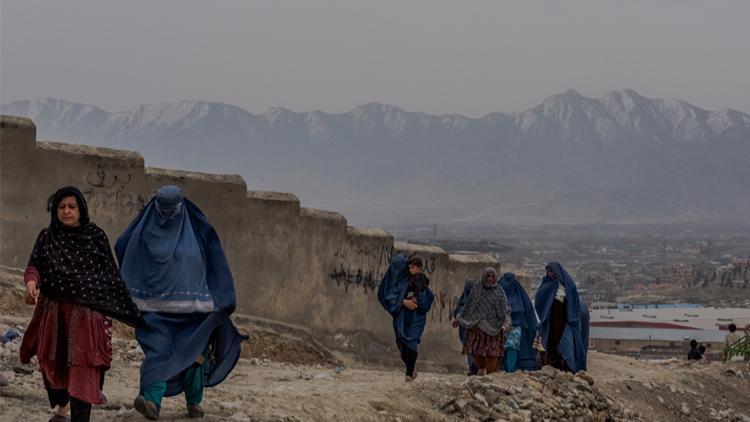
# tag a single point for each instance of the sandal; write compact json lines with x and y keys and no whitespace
{"x":148,"y":409}
{"x":195,"y":411}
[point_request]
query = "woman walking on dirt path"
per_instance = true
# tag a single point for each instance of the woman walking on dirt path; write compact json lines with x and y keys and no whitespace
{"x":563,"y":321}
{"x":521,"y":353}
{"x":73,"y":280}
{"x":486,"y":317}
{"x":460,"y":304}
{"x":405,"y":294}
{"x":175,"y":268}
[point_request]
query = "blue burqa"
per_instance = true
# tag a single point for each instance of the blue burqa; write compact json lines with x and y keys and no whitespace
{"x":408,"y":325}
{"x":573,"y":346}
{"x":523,"y":316}
{"x":460,"y":303}
{"x":460,"y":307}
{"x":173,"y":263}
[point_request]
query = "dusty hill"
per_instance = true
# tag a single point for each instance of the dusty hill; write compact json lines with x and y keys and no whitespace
{"x":285,"y":375}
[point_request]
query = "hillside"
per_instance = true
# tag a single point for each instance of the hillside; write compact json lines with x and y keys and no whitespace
{"x":272,"y":383}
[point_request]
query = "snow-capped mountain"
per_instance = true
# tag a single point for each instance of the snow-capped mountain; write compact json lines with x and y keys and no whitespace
{"x":621,"y":157}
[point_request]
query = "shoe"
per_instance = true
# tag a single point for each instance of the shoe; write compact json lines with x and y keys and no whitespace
{"x":59,"y":418}
{"x":148,"y":409}
{"x":3,"y":380}
{"x":194,"y":411}
{"x":408,"y":379}
{"x":414,"y":374}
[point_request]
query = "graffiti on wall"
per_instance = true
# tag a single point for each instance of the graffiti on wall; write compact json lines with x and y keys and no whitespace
{"x":346,"y":277}
{"x":102,"y":179}
{"x":442,"y":307}
{"x":374,"y":256}
{"x":363,"y":266}
{"x":106,"y":192}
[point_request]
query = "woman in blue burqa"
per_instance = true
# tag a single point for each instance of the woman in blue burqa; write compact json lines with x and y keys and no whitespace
{"x":563,"y":321}
{"x":457,"y":309}
{"x":178,"y":276}
{"x":405,"y":294}
{"x":521,"y":353}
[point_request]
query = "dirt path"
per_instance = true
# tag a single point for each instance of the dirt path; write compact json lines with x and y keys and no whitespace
{"x":325,"y":389}
{"x":260,"y":390}
{"x":255,"y":391}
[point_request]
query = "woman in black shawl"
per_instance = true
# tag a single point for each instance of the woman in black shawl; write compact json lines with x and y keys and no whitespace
{"x":73,"y":280}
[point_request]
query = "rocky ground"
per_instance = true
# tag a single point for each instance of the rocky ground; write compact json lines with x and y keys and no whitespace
{"x":286,"y":375}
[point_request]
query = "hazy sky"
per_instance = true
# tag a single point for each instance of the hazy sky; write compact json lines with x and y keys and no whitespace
{"x":467,"y":57}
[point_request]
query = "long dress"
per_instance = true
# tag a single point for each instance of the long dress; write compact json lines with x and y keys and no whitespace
{"x":484,"y":315}
{"x":524,"y":317}
{"x":563,"y":324}
{"x":80,"y":291}
{"x":72,"y":346}
{"x":179,"y":277}
{"x":408,"y":325}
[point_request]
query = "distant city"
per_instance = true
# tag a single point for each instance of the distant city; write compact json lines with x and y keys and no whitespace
{"x":639,"y":265}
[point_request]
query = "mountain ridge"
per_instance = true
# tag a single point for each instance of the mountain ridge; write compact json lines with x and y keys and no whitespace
{"x":622,"y":156}
{"x":558,"y":110}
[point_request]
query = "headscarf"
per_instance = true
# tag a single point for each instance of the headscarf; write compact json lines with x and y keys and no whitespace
{"x":76,"y":264}
{"x":573,"y":344}
{"x":393,"y":286}
{"x":171,"y":256}
{"x":486,"y":307}
{"x":524,"y":321}
{"x":173,"y":259}
{"x":522,"y":310}
{"x":547,"y":290}
{"x":461,"y":302}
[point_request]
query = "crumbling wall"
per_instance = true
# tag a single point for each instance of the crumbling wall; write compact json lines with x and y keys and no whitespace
{"x":294,"y":264}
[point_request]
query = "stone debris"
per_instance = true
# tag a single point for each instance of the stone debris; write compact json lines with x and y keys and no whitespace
{"x":232,"y":405}
{"x":240,"y":416}
{"x":685,"y":409}
{"x":734,"y":371}
{"x":23,"y":369}
{"x":321,"y":376}
{"x":122,"y":411}
{"x":282,"y":378}
{"x":548,"y":394}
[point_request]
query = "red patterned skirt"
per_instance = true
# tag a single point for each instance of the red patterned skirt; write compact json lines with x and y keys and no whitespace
{"x":479,"y":343}
{"x":73,"y":345}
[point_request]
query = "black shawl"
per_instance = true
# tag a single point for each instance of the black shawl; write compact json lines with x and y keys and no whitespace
{"x":76,"y":265}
